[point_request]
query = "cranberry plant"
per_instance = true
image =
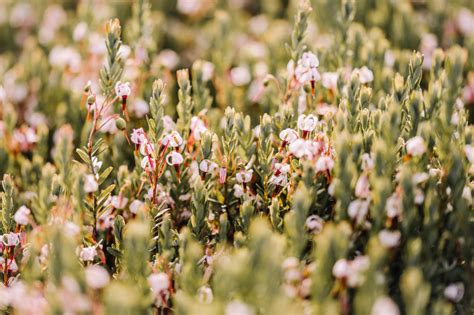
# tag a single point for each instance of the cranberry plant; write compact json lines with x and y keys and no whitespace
{"x":238,"y":158}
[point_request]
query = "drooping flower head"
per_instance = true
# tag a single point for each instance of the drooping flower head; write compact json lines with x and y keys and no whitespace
{"x":123,"y":91}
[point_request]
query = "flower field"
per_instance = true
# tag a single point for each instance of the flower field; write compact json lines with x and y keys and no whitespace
{"x":237,"y":157}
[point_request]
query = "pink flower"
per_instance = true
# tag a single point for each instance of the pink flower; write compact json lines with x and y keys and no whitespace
{"x":389,"y":239}
{"x":207,"y":166}
{"x":362,"y":188}
{"x":279,"y":180}
{"x":358,"y":210}
{"x":123,"y":89}
{"x":416,"y":146}
{"x":88,"y":253}
{"x":90,"y":184}
{"x":365,"y":74}
{"x":174,"y":158}
{"x":288,"y":135}
{"x":173,"y":140}
{"x":244,"y":176}
{"x":11,"y":239}
{"x":222,"y":175}
{"x":314,"y":224}
{"x":22,"y":215}
{"x":307,"y":123}
{"x":197,"y":127}
{"x":138,"y":136}
{"x":329,"y":80}
{"x":306,"y":69}
{"x":96,"y":277}
{"x":324,"y":164}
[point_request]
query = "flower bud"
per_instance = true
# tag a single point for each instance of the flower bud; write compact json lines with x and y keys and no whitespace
{"x":120,"y":123}
{"x":91,"y":99}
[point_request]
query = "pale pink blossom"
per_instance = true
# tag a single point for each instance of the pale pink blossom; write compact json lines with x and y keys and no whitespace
{"x":22,"y":215}
{"x":244,"y":176}
{"x":174,"y":158}
{"x":288,"y":135}
{"x":96,"y":277}
{"x":324,"y":164}
{"x":362,"y":188}
{"x":329,"y":80}
{"x":90,"y":184}
{"x":384,"y":306}
{"x":416,"y":146}
{"x":389,"y":239}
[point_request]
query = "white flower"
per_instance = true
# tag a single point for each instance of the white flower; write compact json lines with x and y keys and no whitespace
{"x":469,"y":150}
{"x":314,"y":224}
{"x":329,"y":80}
{"x":118,"y":202}
{"x":309,"y":60}
{"x":466,"y":194}
{"x":71,"y":229}
{"x":138,"y":136}
{"x":419,"y":178}
{"x":280,"y":180}
{"x":244,"y":176}
{"x":207,"y":166}
{"x":365,"y":74}
{"x":238,"y":191}
{"x":389,"y":239}
{"x":11,"y":239}
{"x":205,"y":295}
{"x":454,"y":292}
{"x":307,"y":123}
{"x":393,"y":206}
{"x":96,"y":164}
{"x":135,"y":205}
{"x":324,"y":164}
{"x":341,"y":269}
{"x":419,"y":196}
{"x":174,"y":158}
{"x":306,"y":69}
{"x":123,"y":90}
{"x":12,"y":266}
{"x":147,"y":148}
{"x":97,"y":277}
{"x":358,"y":210}
{"x":88,"y":253}
{"x":416,"y":146}
{"x":281,"y":168}
{"x":90,"y":184}
{"x":299,"y":148}
{"x":159,"y":282}
{"x":240,"y":76}
{"x":238,"y":308}
{"x":173,"y":140}
{"x":168,"y":124}
{"x":385,"y":306}
{"x":140,"y":108}
{"x":362,"y":188}
{"x":22,"y":215}
{"x":290,"y":263}
{"x":188,"y":7}
{"x":147,"y":162}
{"x":168,"y":58}
{"x":367,"y":162}
{"x":288,"y":135}
{"x":465,"y":22}
{"x":207,"y":70}
{"x":352,"y":271}
{"x":197,"y":127}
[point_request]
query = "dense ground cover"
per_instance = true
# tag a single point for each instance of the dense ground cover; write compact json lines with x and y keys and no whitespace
{"x":237,"y":157}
